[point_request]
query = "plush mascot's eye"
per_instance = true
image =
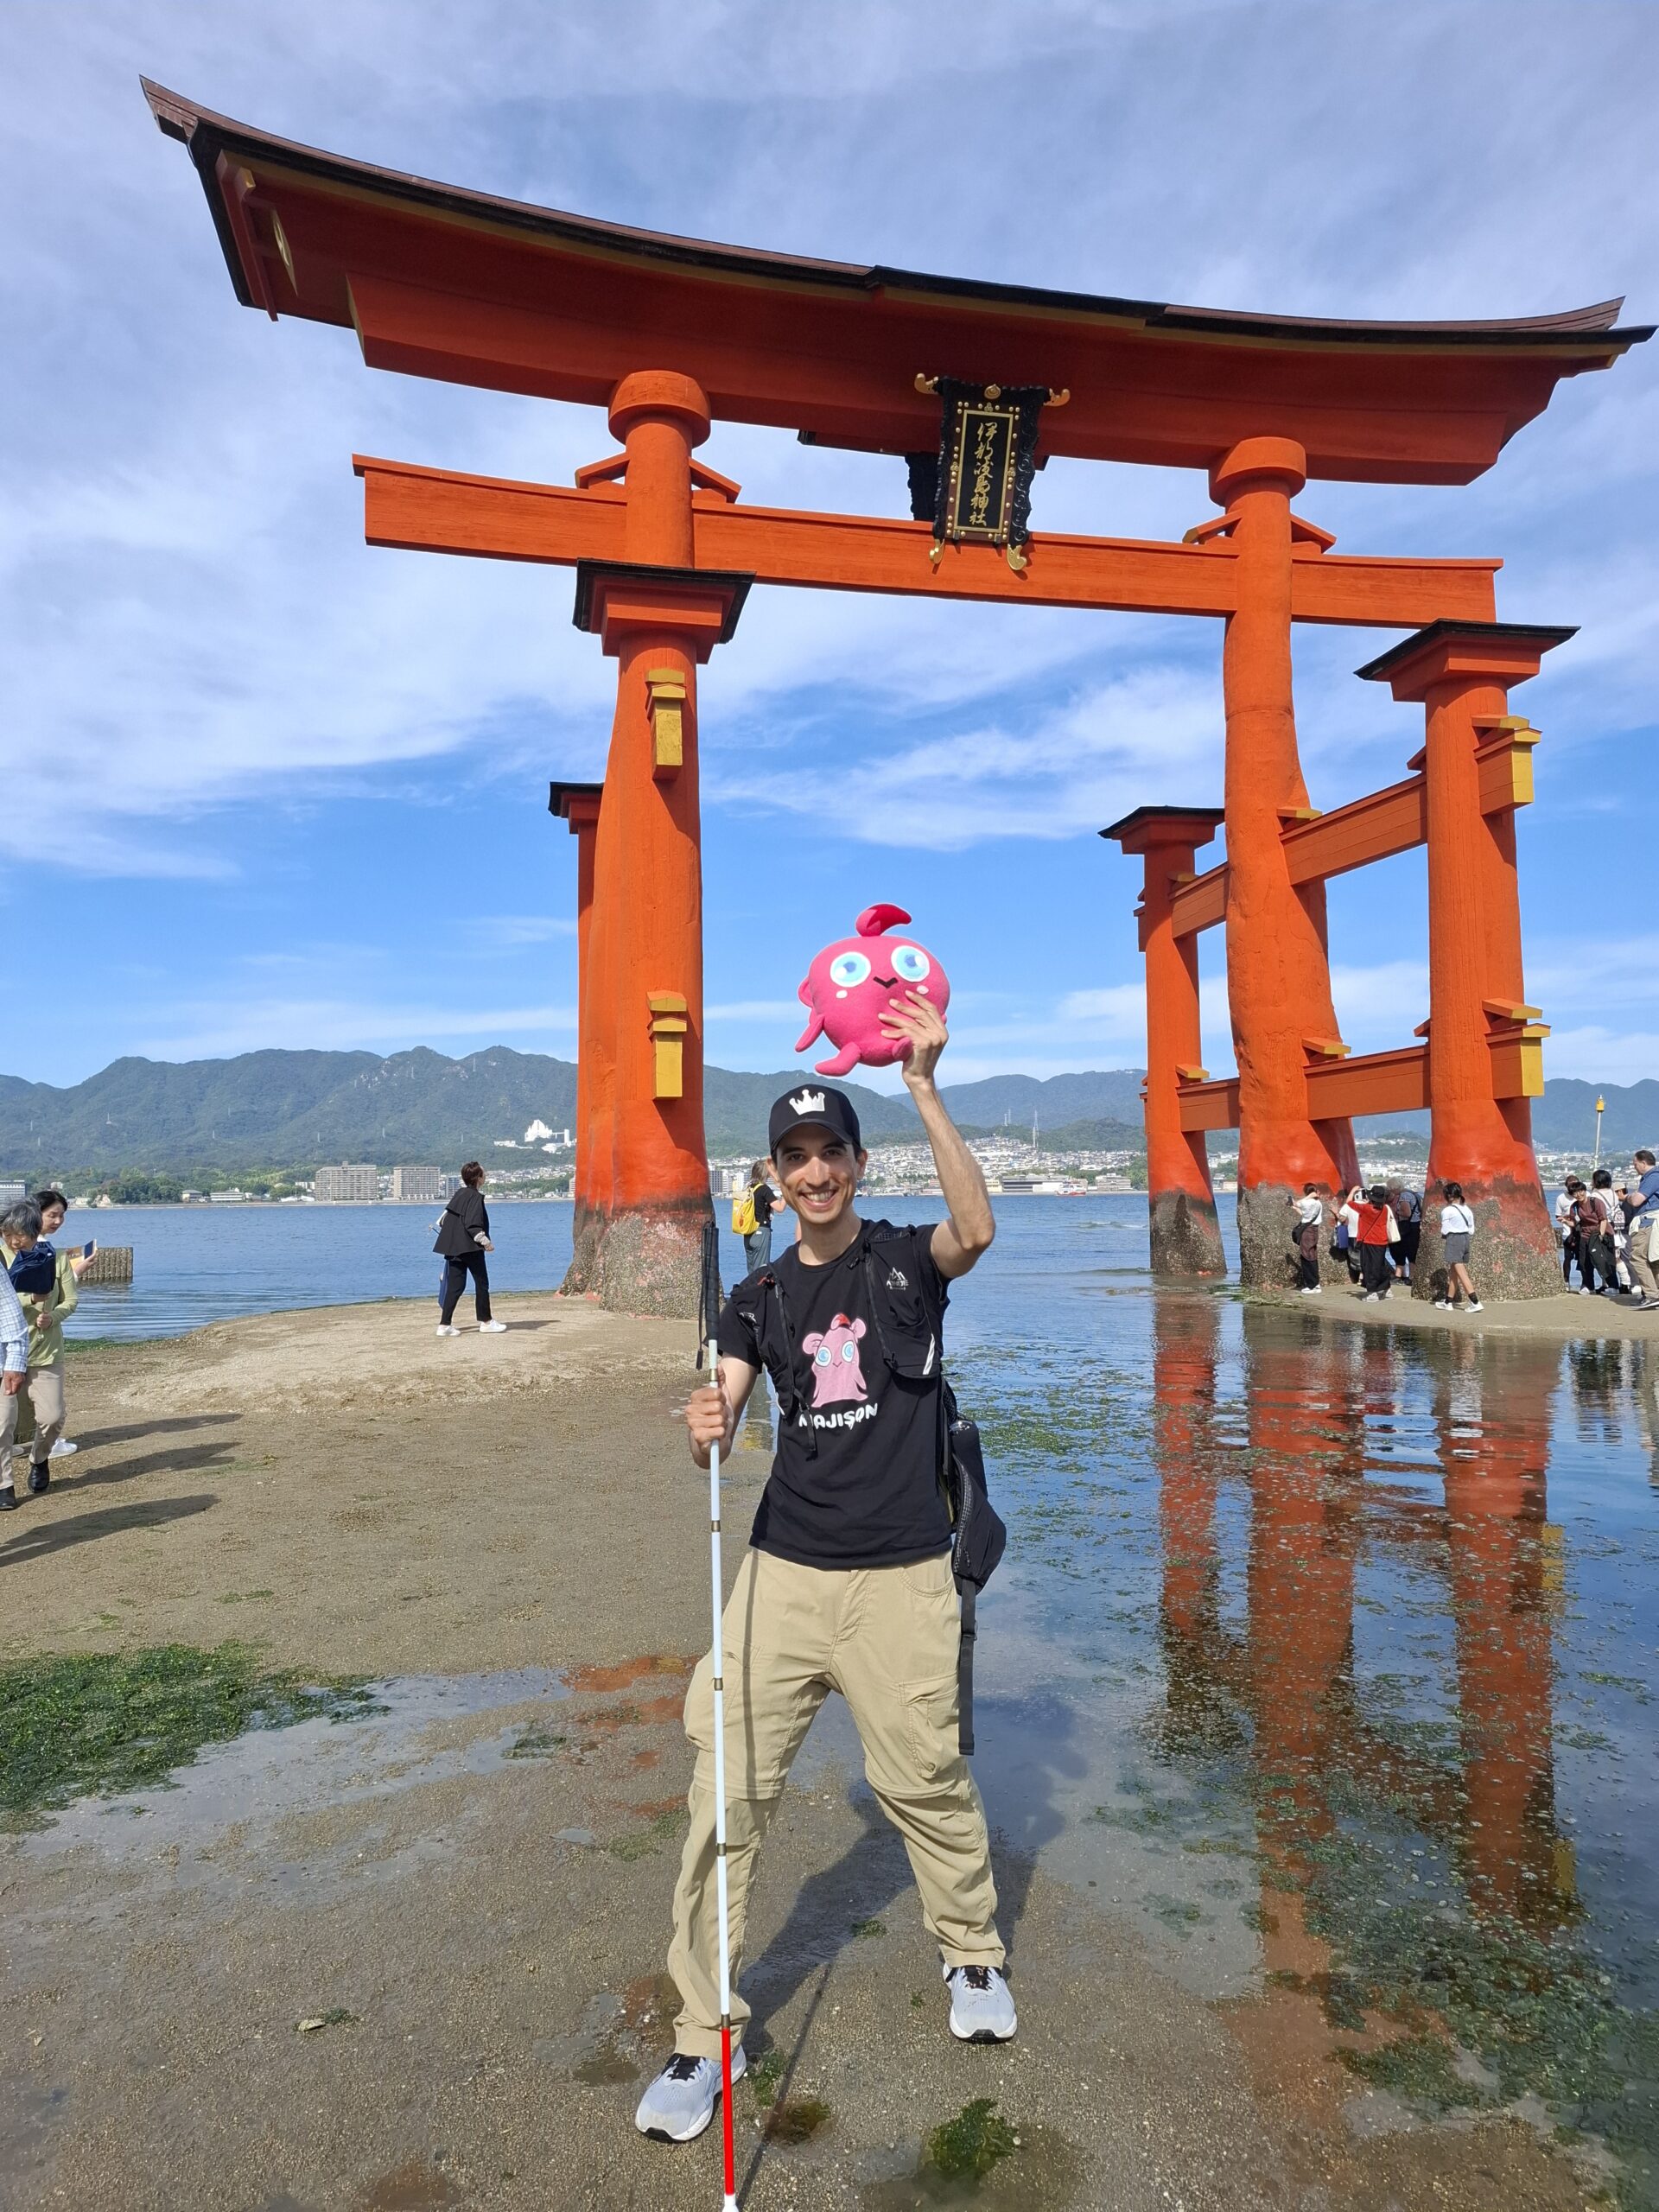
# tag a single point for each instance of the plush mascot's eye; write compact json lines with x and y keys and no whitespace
{"x":848,"y":968}
{"x":910,"y":964}
{"x":849,"y":1353}
{"x":823,"y":1355}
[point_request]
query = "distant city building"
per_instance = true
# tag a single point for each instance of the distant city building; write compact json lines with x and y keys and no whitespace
{"x":230,"y":1197}
{"x":11,"y":1191}
{"x":427,"y":1183}
{"x":348,"y":1181}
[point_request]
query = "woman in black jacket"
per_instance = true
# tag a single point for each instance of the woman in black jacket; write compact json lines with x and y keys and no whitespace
{"x":463,"y":1239}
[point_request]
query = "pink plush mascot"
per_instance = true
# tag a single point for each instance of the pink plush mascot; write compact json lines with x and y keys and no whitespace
{"x":850,"y":983}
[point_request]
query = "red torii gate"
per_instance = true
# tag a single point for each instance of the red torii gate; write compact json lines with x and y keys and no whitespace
{"x":669,"y":333}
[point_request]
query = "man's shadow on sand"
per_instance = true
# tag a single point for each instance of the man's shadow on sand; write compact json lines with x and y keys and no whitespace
{"x":193,"y":1458}
{"x":38,"y":1542}
{"x":130,"y":1432}
{"x":1026,"y":1747}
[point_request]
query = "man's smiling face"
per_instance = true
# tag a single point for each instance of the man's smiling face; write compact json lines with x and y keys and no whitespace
{"x":819,"y":1171}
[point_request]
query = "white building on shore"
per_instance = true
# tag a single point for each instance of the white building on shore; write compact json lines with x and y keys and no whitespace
{"x":355,"y":1182}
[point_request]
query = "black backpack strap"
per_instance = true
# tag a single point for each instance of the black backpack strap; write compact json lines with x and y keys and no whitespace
{"x":759,"y":1298}
{"x":969,"y":1597}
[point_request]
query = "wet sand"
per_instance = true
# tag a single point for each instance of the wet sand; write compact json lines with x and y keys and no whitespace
{"x":471,"y":1892}
{"x":1564,"y":1319}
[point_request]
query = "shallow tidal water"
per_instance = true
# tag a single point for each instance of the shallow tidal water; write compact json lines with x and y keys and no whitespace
{"x":1333,"y":1653}
{"x":1328,"y":1654}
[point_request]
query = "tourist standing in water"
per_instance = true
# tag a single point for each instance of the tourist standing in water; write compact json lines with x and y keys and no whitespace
{"x":463,"y":1239}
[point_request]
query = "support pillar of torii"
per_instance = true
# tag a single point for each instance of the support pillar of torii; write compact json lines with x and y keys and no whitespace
{"x":642,"y":1167}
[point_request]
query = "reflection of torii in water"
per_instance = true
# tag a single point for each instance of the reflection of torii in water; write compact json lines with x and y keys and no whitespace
{"x":1289,"y":1673}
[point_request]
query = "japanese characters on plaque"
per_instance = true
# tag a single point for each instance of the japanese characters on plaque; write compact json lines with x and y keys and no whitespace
{"x":980,"y":485}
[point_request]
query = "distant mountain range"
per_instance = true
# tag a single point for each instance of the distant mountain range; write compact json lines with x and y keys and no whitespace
{"x":282,"y":1110}
{"x":298,"y":1110}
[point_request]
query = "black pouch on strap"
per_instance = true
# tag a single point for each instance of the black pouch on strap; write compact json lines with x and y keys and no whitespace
{"x":982,"y":1535}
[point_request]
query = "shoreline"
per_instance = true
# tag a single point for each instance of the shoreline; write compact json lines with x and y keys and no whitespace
{"x":1561,"y":1320}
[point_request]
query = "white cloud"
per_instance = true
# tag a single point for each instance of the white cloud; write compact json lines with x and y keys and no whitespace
{"x":194,"y":623}
{"x":756,"y":1010}
{"x":1084,"y":761}
{"x":1379,"y":1004}
{"x":507,"y":930}
{"x":1597,"y":1055}
{"x":218,"y":1030}
{"x":1120,"y":1009}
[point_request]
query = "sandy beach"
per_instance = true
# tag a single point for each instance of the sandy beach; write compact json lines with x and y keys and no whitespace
{"x":468,"y":1894}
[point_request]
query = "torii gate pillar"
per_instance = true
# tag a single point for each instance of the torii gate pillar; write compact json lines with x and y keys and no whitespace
{"x":1485,"y":1062}
{"x":1278,"y":971}
{"x":1180,"y":1202}
{"x":577,"y":806}
{"x":642,"y":1173}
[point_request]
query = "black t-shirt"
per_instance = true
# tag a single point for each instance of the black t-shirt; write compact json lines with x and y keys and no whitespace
{"x":869,"y":1495}
{"x":765,"y":1204}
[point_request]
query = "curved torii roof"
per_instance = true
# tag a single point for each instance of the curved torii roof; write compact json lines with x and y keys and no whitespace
{"x":458,"y":285}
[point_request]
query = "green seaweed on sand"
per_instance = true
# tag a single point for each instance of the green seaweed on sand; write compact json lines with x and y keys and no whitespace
{"x":797,"y":2119}
{"x":967,"y":2147}
{"x":102,"y":1723}
{"x":766,"y":2073}
{"x":535,"y":1742}
{"x":643,"y":1841}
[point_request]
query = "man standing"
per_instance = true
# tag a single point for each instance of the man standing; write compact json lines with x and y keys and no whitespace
{"x":847,"y":1583}
{"x":1643,"y":1218}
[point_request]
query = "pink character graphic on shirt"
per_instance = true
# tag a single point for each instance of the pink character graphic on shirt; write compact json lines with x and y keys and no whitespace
{"x":836,"y":1373}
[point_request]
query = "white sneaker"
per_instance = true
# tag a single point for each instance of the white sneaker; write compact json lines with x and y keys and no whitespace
{"x":445,"y":1329}
{"x":680,"y":2102}
{"x":1443,"y":1305}
{"x":62,"y":1448}
{"x":981,"y":2004}
{"x":1312,"y":1289}
{"x":1475,"y":1306}
{"x":1585,"y":1291}
{"x":491,"y":1328}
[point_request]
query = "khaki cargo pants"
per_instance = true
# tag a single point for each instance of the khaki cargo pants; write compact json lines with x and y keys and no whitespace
{"x":45,"y":1401}
{"x":886,"y":1637}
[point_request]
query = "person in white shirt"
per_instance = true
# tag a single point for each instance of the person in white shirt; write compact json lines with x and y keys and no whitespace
{"x":1305,"y":1238}
{"x":1457,"y":1227}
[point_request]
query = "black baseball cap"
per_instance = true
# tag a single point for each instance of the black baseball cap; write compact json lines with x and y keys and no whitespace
{"x":818,"y":1103}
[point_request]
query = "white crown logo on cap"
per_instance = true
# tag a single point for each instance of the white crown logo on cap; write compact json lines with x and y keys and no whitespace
{"x":808,"y":1102}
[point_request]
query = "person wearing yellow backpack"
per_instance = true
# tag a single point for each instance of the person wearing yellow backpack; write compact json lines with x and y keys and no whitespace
{"x":752,"y":1211}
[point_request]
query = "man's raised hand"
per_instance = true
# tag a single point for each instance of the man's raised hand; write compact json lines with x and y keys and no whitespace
{"x":918,"y":1023}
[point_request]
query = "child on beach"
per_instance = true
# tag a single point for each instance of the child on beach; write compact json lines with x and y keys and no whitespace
{"x":1457,"y":1227}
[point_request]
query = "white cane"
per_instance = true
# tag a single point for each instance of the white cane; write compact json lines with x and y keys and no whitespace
{"x":708,"y":1319}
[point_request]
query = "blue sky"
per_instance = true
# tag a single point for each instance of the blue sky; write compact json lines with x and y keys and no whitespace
{"x":269,"y":787}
